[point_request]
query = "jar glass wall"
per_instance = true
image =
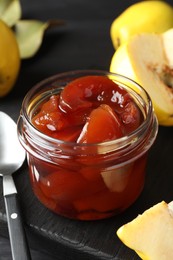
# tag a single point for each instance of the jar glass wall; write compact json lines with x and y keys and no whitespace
{"x":86,"y":181}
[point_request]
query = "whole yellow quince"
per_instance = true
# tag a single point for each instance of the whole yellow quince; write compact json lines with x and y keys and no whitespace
{"x":9,"y":59}
{"x":144,"y":16}
{"x":147,"y":58}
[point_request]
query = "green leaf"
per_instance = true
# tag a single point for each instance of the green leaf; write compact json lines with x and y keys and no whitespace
{"x":10,"y":11}
{"x":29,"y":35}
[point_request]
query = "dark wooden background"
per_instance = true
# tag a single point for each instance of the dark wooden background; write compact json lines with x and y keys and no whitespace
{"x":82,"y":43}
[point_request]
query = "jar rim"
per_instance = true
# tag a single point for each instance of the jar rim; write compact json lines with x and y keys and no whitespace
{"x":129,"y":138}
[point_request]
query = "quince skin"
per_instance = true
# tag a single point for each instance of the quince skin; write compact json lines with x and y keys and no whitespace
{"x":10,"y":59}
{"x":151,"y":234}
{"x":145,"y":16}
{"x":147,"y":58}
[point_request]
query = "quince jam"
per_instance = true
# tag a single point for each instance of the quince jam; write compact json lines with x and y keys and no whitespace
{"x":90,"y":109}
{"x":89,"y":113}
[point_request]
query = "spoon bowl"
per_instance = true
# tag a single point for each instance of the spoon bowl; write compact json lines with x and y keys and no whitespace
{"x":12,"y":156}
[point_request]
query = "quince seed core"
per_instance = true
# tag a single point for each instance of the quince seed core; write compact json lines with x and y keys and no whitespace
{"x":165,"y":74}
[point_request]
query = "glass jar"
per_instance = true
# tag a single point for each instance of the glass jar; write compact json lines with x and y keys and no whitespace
{"x":86,"y":181}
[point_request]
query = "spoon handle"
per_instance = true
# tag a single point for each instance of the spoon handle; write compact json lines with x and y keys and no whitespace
{"x":19,"y":245}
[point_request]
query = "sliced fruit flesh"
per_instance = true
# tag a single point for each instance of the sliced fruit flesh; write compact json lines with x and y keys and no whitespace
{"x":150,"y":234}
{"x":152,"y":59}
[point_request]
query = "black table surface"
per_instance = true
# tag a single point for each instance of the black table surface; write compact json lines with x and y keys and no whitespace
{"x":82,"y":43}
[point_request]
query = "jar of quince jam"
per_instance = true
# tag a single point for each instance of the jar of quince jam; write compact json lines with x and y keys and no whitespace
{"x":87,"y":136}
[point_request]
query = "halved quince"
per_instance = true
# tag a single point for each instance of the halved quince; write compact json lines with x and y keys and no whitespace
{"x":151,"y":234}
{"x":147,"y":58}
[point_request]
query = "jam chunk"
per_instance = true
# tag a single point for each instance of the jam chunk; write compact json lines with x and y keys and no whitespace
{"x":89,"y":109}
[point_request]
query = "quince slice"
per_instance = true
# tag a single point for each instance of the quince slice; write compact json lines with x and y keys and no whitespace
{"x":147,"y":58}
{"x":151,"y":234}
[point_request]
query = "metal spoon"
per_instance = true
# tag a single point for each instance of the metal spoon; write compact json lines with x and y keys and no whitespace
{"x":12,"y":156}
